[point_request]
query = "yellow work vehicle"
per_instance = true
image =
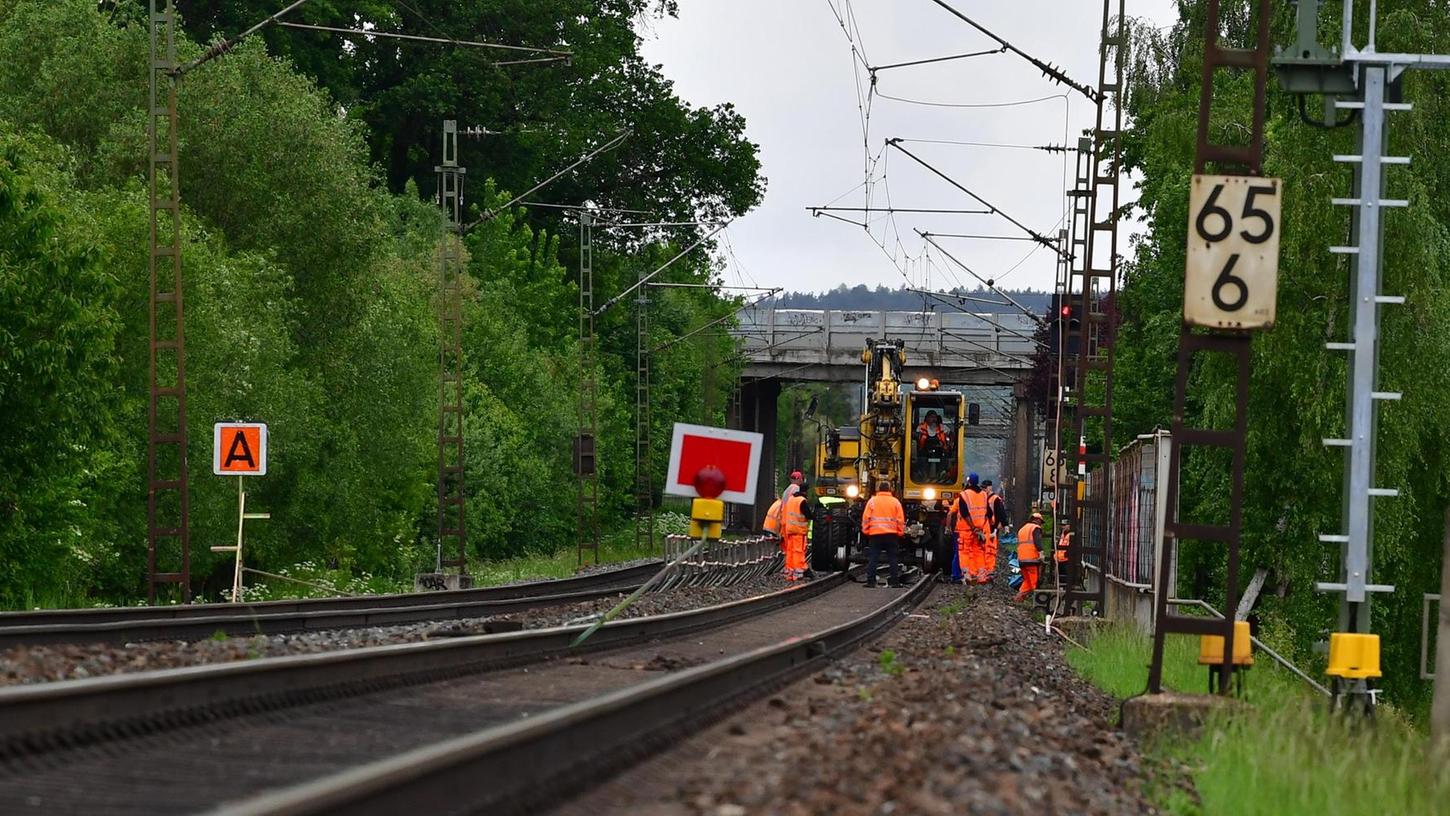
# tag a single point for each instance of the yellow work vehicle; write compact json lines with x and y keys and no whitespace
{"x":910,"y":435}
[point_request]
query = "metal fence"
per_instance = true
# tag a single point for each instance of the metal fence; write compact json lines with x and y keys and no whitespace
{"x":1137,"y":507}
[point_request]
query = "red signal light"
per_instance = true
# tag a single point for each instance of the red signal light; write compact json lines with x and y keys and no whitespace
{"x":1067,"y":311}
{"x":710,"y":481}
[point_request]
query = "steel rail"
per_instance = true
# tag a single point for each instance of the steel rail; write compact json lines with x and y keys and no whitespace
{"x":183,"y":622}
{"x":36,"y":719}
{"x":521,"y":766}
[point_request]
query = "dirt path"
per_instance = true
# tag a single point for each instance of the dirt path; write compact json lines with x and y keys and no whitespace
{"x":967,"y":707}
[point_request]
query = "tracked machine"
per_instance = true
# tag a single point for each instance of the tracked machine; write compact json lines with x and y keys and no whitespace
{"x":892,"y":442}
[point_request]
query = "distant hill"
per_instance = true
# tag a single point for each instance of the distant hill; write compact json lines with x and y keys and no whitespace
{"x":907,"y":300}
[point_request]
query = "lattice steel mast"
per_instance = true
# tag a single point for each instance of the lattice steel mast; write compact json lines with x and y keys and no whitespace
{"x":168,"y":501}
{"x":452,"y":515}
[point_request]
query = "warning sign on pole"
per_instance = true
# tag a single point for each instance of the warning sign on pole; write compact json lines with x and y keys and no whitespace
{"x":735,"y":453}
{"x":239,"y":449}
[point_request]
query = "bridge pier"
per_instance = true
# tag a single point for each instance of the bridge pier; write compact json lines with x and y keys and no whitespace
{"x":755,"y":410}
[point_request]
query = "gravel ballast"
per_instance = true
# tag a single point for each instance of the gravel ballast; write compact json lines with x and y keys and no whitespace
{"x":39,"y":664}
{"x":967,"y":706}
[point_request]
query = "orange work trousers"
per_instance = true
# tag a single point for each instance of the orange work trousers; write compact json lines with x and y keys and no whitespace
{"x":989,"y":562}
{"x":795,"y":555}
{"x":1029,"y":582}
{"x":972,"y":555}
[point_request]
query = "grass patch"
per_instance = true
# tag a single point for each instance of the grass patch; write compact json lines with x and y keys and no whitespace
{"x":614,"y":548}
{"x":1284,"y":755}
{"x":890,"y":663}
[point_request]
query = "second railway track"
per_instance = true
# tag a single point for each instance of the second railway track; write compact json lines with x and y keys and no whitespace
{"x":232,"y":733}
{"x":197,"y":621}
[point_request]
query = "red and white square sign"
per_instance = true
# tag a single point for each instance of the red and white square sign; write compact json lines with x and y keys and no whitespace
{"x":735,"y":453}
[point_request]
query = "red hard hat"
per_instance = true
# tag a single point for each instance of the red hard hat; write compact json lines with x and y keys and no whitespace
{"x":795,"y":476}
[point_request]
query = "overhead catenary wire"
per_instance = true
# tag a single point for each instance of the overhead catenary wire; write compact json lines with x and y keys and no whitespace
{"x":1015,"y":103}
{"x":607,"y":146}
{"x":555,"y":55}
{"x":662,"y":267}
{"x":223,"y":46}
{"x":1049,"y":70}
{"x":926,"y":236}
{"x":1037,"y":236}
{"x":899,"y":210}
{"x":930,"y":60}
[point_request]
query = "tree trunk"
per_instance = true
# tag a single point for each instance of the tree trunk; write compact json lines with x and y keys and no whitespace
{"x":1440,"y":709}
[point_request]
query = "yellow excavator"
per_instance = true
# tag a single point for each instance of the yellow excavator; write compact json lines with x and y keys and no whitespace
{"x":911,"y":435}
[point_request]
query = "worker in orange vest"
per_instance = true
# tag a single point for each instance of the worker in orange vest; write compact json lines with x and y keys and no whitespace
{"x":972,"y":514}
{"x":884,"y":523}
{"x":775,"y":514}
{"x":1060,"y":556}
{"x":999,"y":522}
{"x":795,"y":524}
{"x":929,"y":429}
{"x":1029,"y":554}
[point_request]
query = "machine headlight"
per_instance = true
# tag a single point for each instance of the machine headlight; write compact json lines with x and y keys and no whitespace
{"x":852,"y":491}
{"x":923,"y":384}
{"x":929,"y":494}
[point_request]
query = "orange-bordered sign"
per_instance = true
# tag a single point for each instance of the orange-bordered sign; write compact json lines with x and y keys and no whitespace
{"x":735,"y":453}
{"x":239,"y":449}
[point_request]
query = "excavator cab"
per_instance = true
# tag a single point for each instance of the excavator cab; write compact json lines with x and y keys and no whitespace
{"x":934,"y":453}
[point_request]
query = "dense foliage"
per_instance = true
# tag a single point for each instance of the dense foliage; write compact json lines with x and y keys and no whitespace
{"x":1293,"y":483}
{"x":310,"y":273}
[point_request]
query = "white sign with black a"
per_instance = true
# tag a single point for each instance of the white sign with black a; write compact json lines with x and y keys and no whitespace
{"x":1232,"y":274}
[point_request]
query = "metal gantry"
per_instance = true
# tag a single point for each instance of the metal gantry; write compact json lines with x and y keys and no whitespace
{"x":452,"y":516}
{"x":168,"y":504}
{"x":1229,"y":159}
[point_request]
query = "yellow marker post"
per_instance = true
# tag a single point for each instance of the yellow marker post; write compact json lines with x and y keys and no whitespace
{"x":705,"y":518}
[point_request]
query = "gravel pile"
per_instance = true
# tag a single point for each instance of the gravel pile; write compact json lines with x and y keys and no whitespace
{"x":39,"y":664}
{"x":966,"y":707}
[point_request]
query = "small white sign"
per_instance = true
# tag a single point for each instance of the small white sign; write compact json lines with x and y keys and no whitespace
{"x":1054,"y":472}
{"x":1231,"y":278}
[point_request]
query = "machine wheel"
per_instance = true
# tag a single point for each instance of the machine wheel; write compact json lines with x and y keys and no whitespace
{"x":942,"y":553}
{"x":827,"y":540}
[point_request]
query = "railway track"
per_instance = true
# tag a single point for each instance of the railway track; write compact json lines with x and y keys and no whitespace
{"x":304,"y":732}
{"x":198,"y":621}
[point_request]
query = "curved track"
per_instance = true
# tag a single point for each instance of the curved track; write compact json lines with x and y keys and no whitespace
{"x":197,"y":621}
{"x":274,"y":724}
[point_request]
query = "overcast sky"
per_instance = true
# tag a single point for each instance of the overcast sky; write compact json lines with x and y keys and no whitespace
{"x":788,"y":68}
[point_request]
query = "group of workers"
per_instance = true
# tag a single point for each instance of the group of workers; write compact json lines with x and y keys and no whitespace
{"x":977,"y":516}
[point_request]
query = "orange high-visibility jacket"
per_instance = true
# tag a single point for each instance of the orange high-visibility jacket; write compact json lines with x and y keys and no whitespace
{"x":1027,"y":542}
{"x":1061,"y":554}
{"x":883,"y":515}
{"x":923,"y":433}
{"x":795,"y":516}
{"x":976,"y":504}
{"x":772,"y":518}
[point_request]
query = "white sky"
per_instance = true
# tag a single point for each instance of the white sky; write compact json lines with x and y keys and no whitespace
{"x":787,"y":67}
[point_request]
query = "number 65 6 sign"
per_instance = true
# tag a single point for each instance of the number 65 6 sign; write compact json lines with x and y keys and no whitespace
{"x":1232,"y":275}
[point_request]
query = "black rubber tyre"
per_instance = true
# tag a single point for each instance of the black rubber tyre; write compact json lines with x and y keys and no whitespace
{"x":825,"y":539}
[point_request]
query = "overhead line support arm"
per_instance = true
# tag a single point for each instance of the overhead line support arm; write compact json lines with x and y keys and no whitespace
{"x":1049,"y":70}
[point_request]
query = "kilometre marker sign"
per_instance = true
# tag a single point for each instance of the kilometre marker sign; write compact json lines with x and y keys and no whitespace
{"x":1232,"y":276}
